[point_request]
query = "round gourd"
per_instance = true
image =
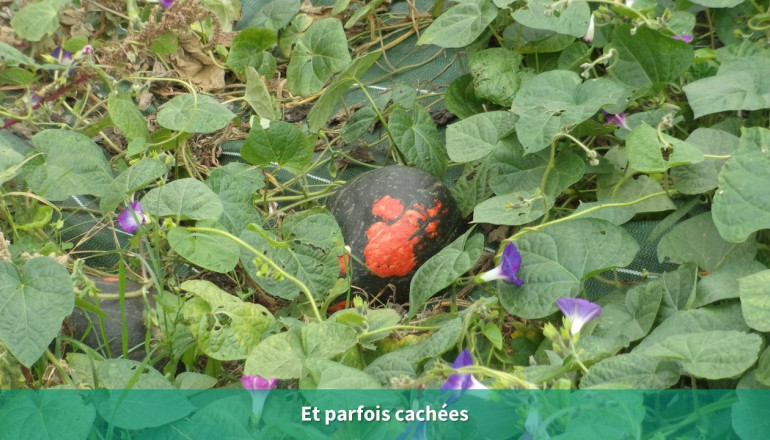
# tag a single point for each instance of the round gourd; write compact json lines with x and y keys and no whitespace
{"x":394,"y":219}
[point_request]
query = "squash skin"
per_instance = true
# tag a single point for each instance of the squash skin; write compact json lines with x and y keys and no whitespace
{"x":394,"y":219}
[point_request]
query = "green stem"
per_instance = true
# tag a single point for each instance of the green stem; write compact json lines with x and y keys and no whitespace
{"x":395,"y":327}
{"x":267,"y":260}
{"x":381,"y":118}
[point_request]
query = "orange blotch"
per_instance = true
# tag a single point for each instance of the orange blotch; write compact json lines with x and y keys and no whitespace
{"x":337,"y":307}
{"x":110,"y":279}
{"x":344,"y":260}
{"x":392,"y":242}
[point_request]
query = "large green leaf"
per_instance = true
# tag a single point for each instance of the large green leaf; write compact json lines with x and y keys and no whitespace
{"x":271,"y":14}
{"x":313,"y":246}
{"x":34,"y":300}
{"x":12,"y":57}
{"x":459,"y":25}
{"x":330,"y":375}
{"x":495,"y":75}
{"x":140,"y":408}
{"x":754,"y":291}
{"x":282,"y":144}
{"x":235,"y":184}
{"x":35,"y":20}
{"x":723,"y":283}
{"x":323,"y":108}
{"x":750,"y":415}
{"x":225,"y":327}
{"x":194,"y":114}
{"x":476,"y":136}
{"x":127,"y":116}
{"x":555,"y":101}
{"x":740,"y":84}
{"x":697,"y":240}
{"x":718,"y":3}
{"x":646,"y":57}
{"x":472,"y":186}
{"x":443,"y":269}
{"x":646,"y":151}
{"x":700,"y":177}
{"x":283,"y":355}
{"x":631,"y":370}
{"x":741,"y":205}
{"x":46,"y":414}
{"x":71,"y":164}
{"x":570,"y":20}
{"x":556,"y":260}
{"x":318,"y":54}
{"x":629,"y":317}
{"x":249,"y":49}
{"x":208,"y":250}
{"x":183,"y":199}
{"x":418,"y":138}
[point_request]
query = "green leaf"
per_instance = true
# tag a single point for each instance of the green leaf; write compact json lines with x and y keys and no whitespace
{"x":718,"y":3}
{"x":418,"y":138}
{"x":194,"y":114}
{"x":134,"y":178}
{"x":183,"y":199}
{"x":259,"y":97}
{"x":478,"y":135}
{"x":679,"y":290}
{"x":634,"y":371}
{"x":629,"y":191}
{"x":460,"y":97}
{"x":314,"y":245}
{"x":629,"y":318}
{"x":165,"y":44}
{"x":511,"y":209}
{"x":318,"y":54}
{"x":703,"y":176}
{"x":646,"y":57}
{"x":570,"y":20}
{"x":493,"y":334}
{"x":127,"y":117}
{"x":35,"y":20}
{"x":741,"y":205}
{"x":205,"y":249}
{"x":442,"y":269}
{"x":17,"y":76}
{"x":271,"y":14}
{"x":645,"y":151}
{"x":46,"y":414}
{"x":12,"y":57}
{"x":715,"y":354}
{"x":738,"y":85}
{"x":727,"y":317}
{"x":527,"y":40}
{"x":357,"y":124}
{"x":71,"y":164}
{"x":556,"y":260}
{"x":750,"y":415}
{"x":325,"y":105}
{"x":472,"y":187}
{"x":754,"y":291}
{"x":225,"y":327}
{"x":723,"y":282}
{"x":330,"y":375}
{"x":283,"y":355}
{"x":495,"y":75}
{"x":282,"y":144}
{"x":697,"y":240}
{"x":249,"y":50}
{"x":141,"y":408}
{"x":235,"y":184}
{"x":460,"y":25}
{"x":553,"y":102}
{"x":34,"y":300}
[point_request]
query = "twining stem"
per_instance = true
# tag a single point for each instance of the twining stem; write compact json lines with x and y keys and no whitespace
{"x":504,"y":377}
{"x":581,"y":213}
{"x":395,"y":327}
{"x":384,"y":123}
{"x":267,"y":260}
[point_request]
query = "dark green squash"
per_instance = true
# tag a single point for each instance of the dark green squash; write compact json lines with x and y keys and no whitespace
{"x":394,"y":219}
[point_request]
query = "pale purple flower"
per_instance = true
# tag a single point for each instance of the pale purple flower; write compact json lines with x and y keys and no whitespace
{"x":617,"y":119}
{"x":508,"y":268}
{"x":462,"y":382}
{"x":589,"y":36}
{"x":132,"y":217}
{"x":166,"y":3}
{"x":259,"y":387}
{"x":87,"y":49}
{"x":62,"y":55}
{"x":684,"y":37}
{"x":579,"y":311}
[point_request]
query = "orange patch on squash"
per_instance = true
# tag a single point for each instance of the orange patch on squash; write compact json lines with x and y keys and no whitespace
{"x":392,"y":242}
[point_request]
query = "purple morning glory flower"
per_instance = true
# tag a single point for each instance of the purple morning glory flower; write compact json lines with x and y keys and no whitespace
{"x":579,"y":311}
{"x":686,"y":38}
{"x":259,"y":387}
{"x":462,"y":382}
{"x":62,"y":55}
{"x":132,"y":217}
{"x":508,"y":268}
{"x":166,"y":3}
{"x":617,"y":119}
